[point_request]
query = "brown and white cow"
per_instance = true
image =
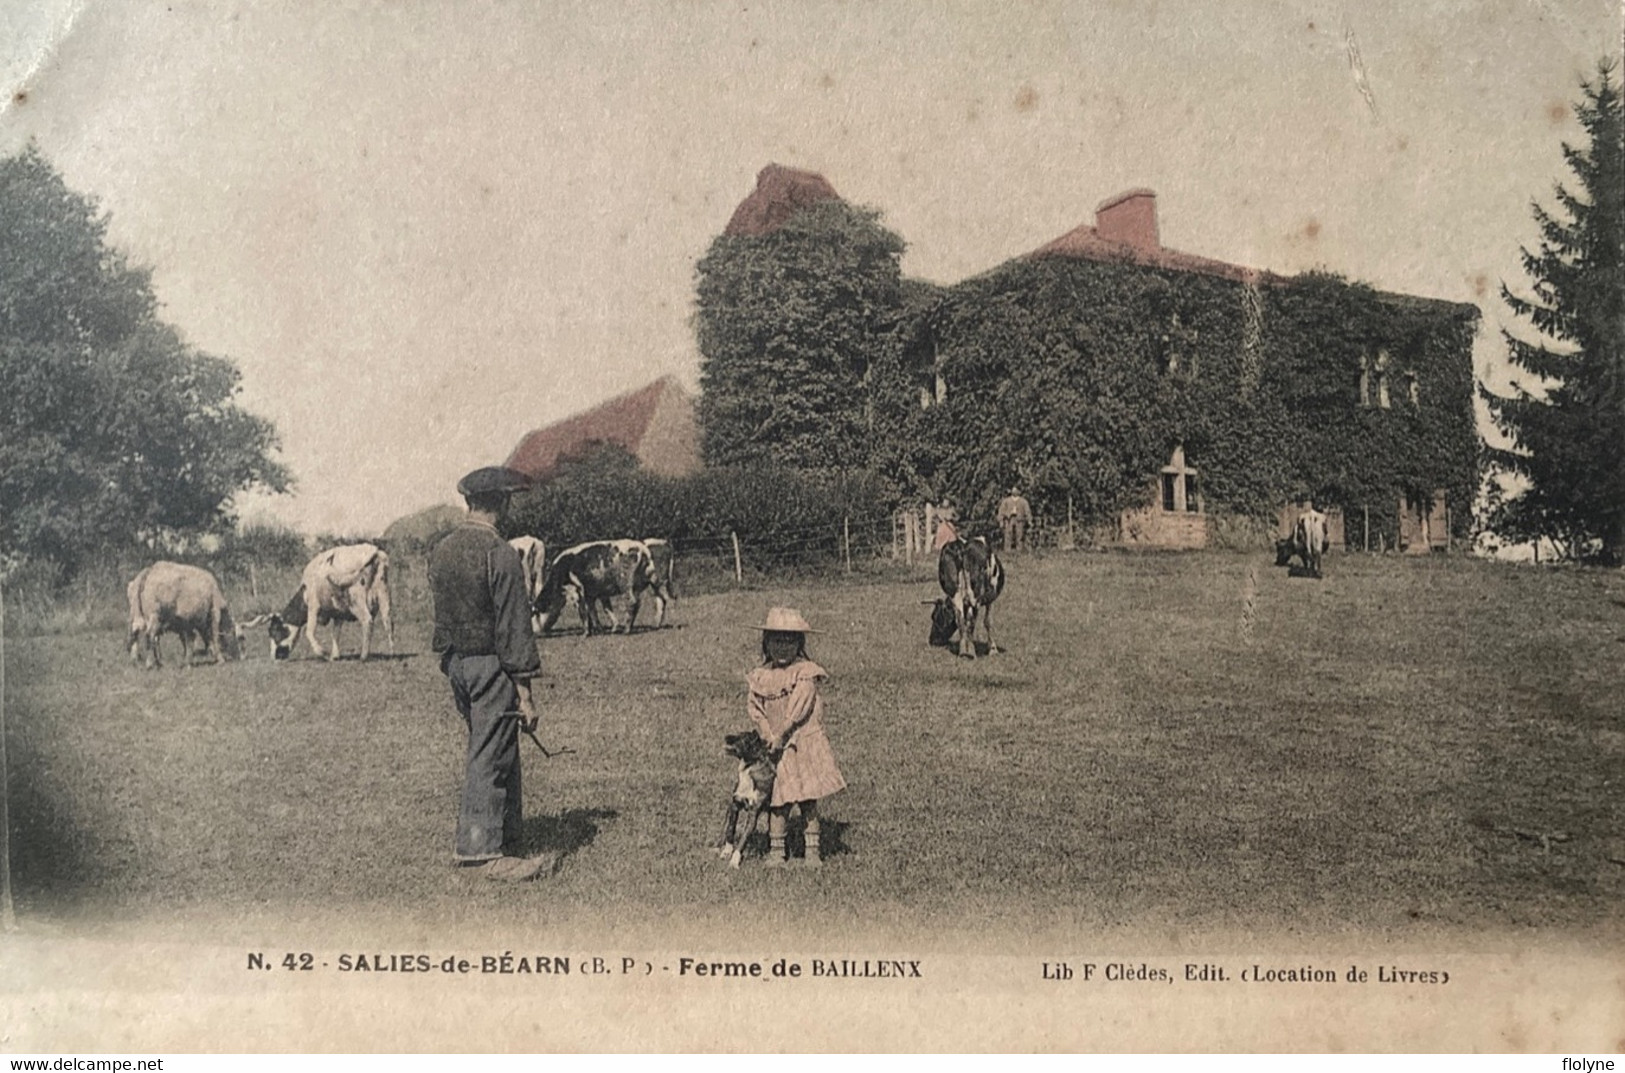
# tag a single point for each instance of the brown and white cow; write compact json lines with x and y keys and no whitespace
{"x":591,"y":575}
{"x":971,"y":578}
{"x":533,"y":557}
{"x":662,"y":563}
{"x":186,"y":601}
{"x":1309,"y":542}
{"x":349,"y":583}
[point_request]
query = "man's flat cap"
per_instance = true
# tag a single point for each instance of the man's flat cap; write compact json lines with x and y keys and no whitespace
{"x":489,"y":479}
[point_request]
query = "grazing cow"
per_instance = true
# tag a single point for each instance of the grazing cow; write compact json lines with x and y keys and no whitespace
{"x":661,"y":565}
{"x":344,"y":584}
{"x":591,"y":575}
{"x":971,"y":577}
{"x":185,"y":600}
{"x":1308,"y":542}
{"x":533,"y":557}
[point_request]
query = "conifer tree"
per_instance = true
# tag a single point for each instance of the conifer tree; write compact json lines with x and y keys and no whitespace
{"x":1566,"y":423}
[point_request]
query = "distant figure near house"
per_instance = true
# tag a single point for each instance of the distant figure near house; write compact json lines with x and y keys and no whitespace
{"x":1015,"y":514}
{"x":947,"y":525}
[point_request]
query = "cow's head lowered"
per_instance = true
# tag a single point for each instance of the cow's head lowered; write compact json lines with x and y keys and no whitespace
{"x":971,"y":578}
{"x":943,"y":622}
{"x":284,"y":628}
{"x":559,"y":590}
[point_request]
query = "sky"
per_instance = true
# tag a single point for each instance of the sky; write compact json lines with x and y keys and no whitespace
{"x":422,"y":229}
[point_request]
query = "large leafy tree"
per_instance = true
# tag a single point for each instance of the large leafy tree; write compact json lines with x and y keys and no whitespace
{"x":1567,"y":427}
{"x":113,"y":430}
{"x":794,"y":325}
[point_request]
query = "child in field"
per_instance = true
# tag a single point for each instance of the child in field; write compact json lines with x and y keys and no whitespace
{"x":789,"y":714}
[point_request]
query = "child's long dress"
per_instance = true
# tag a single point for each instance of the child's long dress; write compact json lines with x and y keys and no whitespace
{"x":779,"y":697}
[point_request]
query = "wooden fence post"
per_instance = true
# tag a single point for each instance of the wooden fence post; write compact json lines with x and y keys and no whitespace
{"x":739,"y":568}
{"x":846,"y":541}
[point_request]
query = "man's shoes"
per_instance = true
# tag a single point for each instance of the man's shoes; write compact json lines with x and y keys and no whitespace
{"x":515,"y":869}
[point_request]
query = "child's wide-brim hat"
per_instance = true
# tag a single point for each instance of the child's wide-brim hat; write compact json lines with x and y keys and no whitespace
{"x":784,"y":620}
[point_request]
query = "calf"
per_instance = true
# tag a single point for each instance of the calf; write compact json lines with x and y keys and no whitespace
{"x":591,"y":575}
{"x":971,"y":578}
{"x":186,"y":601}
{"x":344,"y":584}
{"x":533,"y":557}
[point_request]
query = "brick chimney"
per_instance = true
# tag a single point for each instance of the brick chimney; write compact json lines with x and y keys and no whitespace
{"x":1130,"y":217}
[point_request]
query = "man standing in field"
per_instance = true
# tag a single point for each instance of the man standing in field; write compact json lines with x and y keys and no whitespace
{"x":487,"y":651}
{"x":1015,"y":514}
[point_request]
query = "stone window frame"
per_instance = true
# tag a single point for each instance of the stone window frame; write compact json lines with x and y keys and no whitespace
{"x":1179,"y":487}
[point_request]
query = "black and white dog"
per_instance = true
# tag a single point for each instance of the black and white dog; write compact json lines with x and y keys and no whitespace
{"x":751,"y":793}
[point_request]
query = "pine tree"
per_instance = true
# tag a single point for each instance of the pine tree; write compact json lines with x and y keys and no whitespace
{"x":1567,"y":430}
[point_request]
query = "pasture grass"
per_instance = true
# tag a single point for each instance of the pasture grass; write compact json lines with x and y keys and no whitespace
{"x":1174,"y":742}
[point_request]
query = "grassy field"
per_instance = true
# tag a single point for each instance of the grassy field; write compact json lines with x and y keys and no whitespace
{"x":1180,"y":742}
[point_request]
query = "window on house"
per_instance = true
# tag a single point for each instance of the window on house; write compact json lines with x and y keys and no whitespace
{"x":1180,"y":493}
{"x":1413,"y":389}
{"x":1383,"y":401}
{"x":1178,"y":352}
{"x":1365,"y":380}
{"x":935,"y":392}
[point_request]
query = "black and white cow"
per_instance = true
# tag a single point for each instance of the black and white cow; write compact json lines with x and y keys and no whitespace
{"x":349,"y":583}
{"x":971,"y":578}
{"x":591,"y":575}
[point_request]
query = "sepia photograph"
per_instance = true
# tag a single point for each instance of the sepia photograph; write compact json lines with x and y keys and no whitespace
{"x":1058,"y":526}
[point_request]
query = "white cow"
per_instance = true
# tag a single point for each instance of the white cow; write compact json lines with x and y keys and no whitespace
{"x":1309,"y":539}
{"x":344,"y":584}
{"x":533,"y":557}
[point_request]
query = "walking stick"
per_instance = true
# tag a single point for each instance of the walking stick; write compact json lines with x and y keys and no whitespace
{"x":531,"y":734}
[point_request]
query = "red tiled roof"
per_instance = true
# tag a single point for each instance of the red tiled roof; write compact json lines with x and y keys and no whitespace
{"x":780,"y":193}
{"x":1084,"y":242}
{"x":625,"y":420}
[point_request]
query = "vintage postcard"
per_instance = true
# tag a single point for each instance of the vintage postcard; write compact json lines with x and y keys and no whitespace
{"x":1082,"y":442}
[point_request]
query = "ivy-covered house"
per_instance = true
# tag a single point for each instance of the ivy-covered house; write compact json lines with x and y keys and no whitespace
{"x":1152,"y":395}
{"x":1154,"y":392}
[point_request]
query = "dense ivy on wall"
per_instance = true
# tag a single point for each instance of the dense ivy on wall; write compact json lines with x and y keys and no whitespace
{"x":1077,"y":378}
{"x":793,"y":327}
